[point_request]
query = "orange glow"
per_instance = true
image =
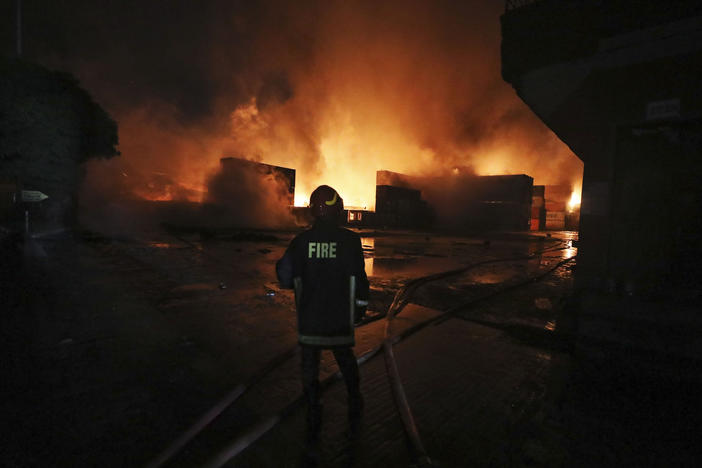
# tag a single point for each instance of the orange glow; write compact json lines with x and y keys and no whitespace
{"x":370,"y":95}
{"x":146,"y":195}
{"x":355,"y":141}
{"x":574,"y":201}
{"x":301,"y":199}
{"x":171,"y":192}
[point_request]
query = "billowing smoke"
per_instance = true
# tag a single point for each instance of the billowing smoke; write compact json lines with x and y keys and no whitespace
{"x":247,"y":196}
{"x":336,"y":90}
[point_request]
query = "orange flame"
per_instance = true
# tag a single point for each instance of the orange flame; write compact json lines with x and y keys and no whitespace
{"x":414,"y":89}
{"x":352,"y":146}
{"x":574,"y":202}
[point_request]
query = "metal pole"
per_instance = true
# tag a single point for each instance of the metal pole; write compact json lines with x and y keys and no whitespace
{"x":26,"y":222}
{"x":19,"y":28}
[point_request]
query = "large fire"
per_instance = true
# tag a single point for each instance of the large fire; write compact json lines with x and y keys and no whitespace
{"x":352,"y":146}
{"x":352,"y":92}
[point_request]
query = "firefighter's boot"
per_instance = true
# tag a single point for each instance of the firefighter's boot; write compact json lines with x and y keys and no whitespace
{"x":314,"y":425}
{"x":311,"y":455}
{"x":355,"y":414}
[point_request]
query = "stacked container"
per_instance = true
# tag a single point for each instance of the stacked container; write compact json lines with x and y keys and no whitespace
{"x":538,"y":209}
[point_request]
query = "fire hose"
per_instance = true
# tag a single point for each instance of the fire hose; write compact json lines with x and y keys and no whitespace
{"x":397,"y":387}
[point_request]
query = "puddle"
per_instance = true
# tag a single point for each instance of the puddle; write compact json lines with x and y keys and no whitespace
{"x":491,"y":277}
{"x":402,"y":257}
{"x":570,"y":251}
{"x":369,"y":266}
{"x":162,"y":245}
{"x":390,"y":267}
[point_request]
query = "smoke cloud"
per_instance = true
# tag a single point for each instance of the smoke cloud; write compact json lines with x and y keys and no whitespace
{"x":247,"y":196}
{"x":336,"y":90}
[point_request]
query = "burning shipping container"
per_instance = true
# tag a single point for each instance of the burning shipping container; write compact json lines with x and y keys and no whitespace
{"x":459,"y":200}
{"x":401,"y":207}
{"x":538,"y":209}
{"x":562,"y":207}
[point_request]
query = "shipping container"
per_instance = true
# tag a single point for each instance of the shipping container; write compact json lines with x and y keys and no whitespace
{"x":555,"y":206}
{"x":555,"y":225}
{"x":401,"y":207}
{"x":391,"y":199}
{"x":463,"y":199}
{"x":555,"y":215}
{"x":557,"y":193}
{"x":555,"y":220}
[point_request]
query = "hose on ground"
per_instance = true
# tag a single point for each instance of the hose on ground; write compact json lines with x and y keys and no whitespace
{"x":400,"y":300}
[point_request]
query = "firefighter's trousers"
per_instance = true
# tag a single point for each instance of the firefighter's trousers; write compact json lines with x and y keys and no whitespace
{"x":310,"y":380}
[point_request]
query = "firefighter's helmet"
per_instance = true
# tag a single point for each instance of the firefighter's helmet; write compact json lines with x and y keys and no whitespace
{"x":325,"y":202}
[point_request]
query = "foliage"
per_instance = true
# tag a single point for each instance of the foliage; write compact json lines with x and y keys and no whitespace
{"x":48,"y":122}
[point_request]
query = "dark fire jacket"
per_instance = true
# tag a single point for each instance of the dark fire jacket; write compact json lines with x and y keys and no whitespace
{"x":325,"y":266}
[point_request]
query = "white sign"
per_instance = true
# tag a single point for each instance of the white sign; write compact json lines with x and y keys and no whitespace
{"x":33,"y":196}
{"x":670,"y":108}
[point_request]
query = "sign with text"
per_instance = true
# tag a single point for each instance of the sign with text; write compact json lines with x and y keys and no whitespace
{"x":32,"y":196}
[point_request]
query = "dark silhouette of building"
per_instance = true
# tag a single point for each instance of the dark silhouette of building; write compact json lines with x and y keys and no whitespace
{"x":50,"y":126}
{"x":619,"y":83}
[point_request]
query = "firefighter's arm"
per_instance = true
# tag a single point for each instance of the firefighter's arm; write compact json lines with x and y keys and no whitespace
{"x":362,"y":285}
{"x":284,"y":269}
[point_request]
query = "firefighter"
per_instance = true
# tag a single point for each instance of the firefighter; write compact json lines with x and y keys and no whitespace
{"x":325,"y":267}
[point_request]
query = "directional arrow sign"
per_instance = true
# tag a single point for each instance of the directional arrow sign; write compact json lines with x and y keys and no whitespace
{"x":33,"y":196}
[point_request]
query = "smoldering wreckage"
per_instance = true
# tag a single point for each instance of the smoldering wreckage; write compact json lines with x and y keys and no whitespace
{"x":248,"y":194}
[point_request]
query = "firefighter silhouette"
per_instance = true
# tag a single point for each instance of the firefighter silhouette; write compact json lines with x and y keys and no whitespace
{"x":325,"y":267}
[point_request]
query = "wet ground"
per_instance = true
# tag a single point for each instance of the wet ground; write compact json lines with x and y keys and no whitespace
{"x":117,"y":345}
